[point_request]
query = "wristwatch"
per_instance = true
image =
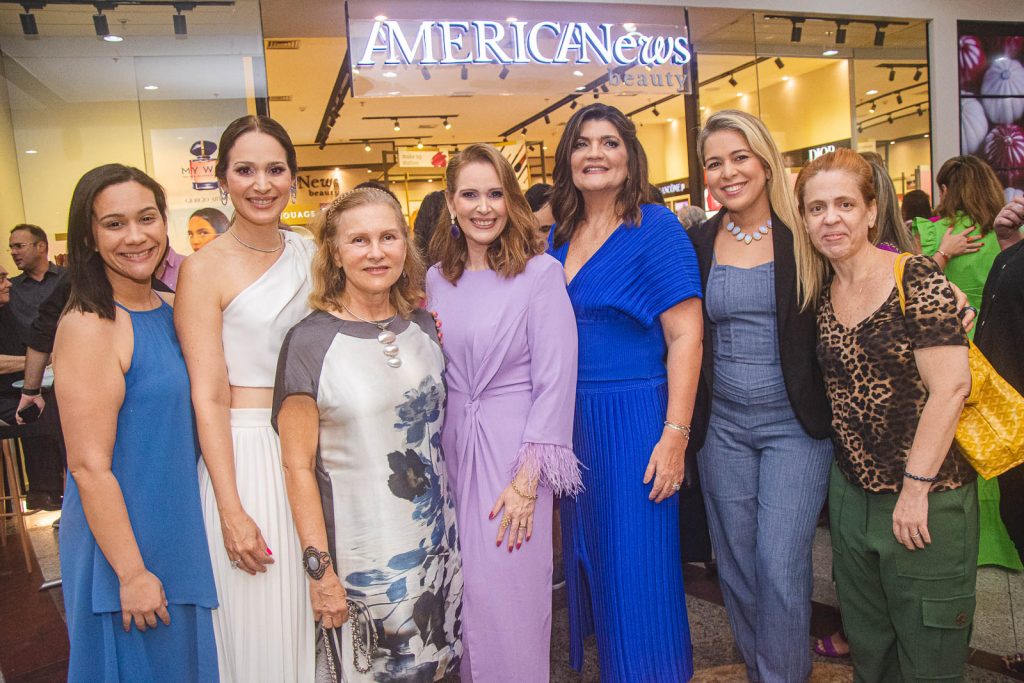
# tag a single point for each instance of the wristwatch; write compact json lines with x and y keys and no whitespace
{"x":315,"y":562}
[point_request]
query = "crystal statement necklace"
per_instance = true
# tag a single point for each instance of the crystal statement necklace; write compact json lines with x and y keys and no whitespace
{"x":748,"y":237}
{"x":385,"y":337}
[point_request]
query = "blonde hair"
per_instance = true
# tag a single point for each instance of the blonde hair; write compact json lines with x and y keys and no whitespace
{"x":329,"y":279}
{"x":779,"y":196}
{"x":508,"y":254}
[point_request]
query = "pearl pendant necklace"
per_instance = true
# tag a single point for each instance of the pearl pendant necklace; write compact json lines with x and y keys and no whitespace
{"x":386,"y":337}
{"x":748,"y":237}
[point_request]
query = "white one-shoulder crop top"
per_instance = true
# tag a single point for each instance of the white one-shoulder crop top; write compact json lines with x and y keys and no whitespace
{"x":257,"y":320}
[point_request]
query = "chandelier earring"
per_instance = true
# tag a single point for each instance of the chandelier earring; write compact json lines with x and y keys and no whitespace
{"x":295,"y":191}
{"x":223,"y":195}
{"x":455,"y":228}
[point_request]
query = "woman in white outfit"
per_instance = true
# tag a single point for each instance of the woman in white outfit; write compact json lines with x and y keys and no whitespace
{"x":236,"y":300}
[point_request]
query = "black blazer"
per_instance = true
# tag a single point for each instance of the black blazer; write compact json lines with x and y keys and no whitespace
{"x":798,"y":334}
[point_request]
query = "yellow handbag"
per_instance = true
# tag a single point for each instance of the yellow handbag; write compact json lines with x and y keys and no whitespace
{"x":990,"y":433}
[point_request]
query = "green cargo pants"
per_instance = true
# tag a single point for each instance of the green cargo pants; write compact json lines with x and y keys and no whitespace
{"x":907,"y":614}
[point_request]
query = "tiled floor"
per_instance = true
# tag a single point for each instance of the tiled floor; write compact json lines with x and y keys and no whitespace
{"x":33,"y":644}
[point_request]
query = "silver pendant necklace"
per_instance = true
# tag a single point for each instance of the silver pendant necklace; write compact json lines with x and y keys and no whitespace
{"x":249,"y":246}
{"x":748,"y":237}
{"x":386,"y":337}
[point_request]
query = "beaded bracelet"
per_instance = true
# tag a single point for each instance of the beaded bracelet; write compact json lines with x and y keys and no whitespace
{"x":917,"y":477}
{"x":515,"y":488}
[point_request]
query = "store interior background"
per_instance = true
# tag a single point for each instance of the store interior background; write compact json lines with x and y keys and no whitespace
{"x":70,"y":101}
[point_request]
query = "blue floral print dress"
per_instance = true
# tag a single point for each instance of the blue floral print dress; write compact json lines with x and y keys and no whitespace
{"x":384,"y":488}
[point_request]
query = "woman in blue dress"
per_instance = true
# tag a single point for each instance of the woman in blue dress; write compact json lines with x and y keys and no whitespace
{"x":138,"y":585}
{"x":635,"y":289}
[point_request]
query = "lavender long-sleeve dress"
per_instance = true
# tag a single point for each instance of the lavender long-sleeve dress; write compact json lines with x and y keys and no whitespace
{"x":510,"y":347}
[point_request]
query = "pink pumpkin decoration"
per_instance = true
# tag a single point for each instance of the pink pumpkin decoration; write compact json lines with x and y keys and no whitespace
{"x":973,"y":125}
{"x":972,"y":60}
{"x":1004,"y":77}
{"x":1004,"y":146}
{"x":1013,"y":46}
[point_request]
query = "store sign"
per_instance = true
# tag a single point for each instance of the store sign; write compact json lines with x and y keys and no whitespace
{"x":484,"y":42}
{"x":672,"y":188}
{"x":416,"y":158}
{"x":798,"y":158}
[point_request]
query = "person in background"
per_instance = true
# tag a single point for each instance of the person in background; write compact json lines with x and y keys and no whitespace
{"x":961,"y":241}
{"x":359,"y":402}
{"x":204,"y":225}
{"x":167,"y":271}
{"x":138,"y":589}
{"x":1000,"y":331}
{"x":44,"y":454}
{"x":539,"y":199}
{"x":635,"y":289}
{"x":903,"y":502}
{"x":426,"y":220}
{"x":237,"y":298}
{"x":510,"y":347}
{"x":916,"y":204}
{"x":12,"y":355}
{"x":890,"y":232}
{"x":692,"y":216}
{"x":763,"y":422}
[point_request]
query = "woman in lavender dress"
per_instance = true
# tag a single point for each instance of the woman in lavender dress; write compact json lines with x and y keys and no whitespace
{"x":510,"y":347}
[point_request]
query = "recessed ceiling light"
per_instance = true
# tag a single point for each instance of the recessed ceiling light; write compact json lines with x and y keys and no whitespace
{"x":670,"y":119}
{"x":395,"y":92}
{"x":389,"y":74}
{"x":871,"y":92}
{"x":151,"y":87}
{"x":829,"y":52}
{"x":785,"y":78}
{"x":580,"y":87}
{"x":112,"y":38}
{"x":577,"y":72}
{"x":430,"y":180}
{"x":369,"y":170}
{"x":380,"y":17}
{"x":740,"y":94}
{"x":31,"y":151}
{"x":926,"y":134}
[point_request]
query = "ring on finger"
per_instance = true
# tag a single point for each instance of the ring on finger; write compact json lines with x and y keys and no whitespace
{"x":506,"y":522}
{"x":235,"y":563}
{"x":676,"y":485}
{"x":523,"y":525}
{"x":916,"y":534}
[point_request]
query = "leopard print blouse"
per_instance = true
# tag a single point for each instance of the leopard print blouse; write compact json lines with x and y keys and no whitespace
{"x":873,"y":384}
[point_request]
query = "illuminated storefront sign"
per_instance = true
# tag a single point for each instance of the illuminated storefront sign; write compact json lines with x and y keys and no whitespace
{"x":519,"y":42}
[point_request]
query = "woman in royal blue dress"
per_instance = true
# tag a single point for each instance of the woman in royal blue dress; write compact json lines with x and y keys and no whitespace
{"x":138,"y":585}
{"x":635,"y":289}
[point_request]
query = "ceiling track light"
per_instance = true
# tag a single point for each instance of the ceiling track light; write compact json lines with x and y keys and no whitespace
{"x":899,"y":98}
{"x":419,"y":143}
{"x":547,"y":119}
{"x":572,"y":105}
{"x":841,"y":31}
{"x":918,"y":74}
{"x":99,"y":23}
{"x":366,"y":146}
{"x":397,"y":127}
{"x":503,"y":74}
{"x":872,"y":108}
{"x":732,"y":80}
{"x":28,"y":22}
{"x":656,"y":112}
{"x":889,"y":119}
{"x":464,"y":73}
{"x":892,"y":74}
{"x":180,"y":23}
{"x":880,"y":34}
{"x":604,"y":87}
{"x":779,"y":63}
{"x":524,"y":130}
{"x":794,"y":35}
{"x":597,"y":95}
{"x":446,"y":124}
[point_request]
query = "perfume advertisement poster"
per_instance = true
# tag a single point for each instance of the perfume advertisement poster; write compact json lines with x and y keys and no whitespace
{"x":183,"y":162}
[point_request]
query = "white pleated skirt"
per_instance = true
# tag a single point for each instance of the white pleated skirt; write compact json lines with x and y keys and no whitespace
{"x":264,"y":624}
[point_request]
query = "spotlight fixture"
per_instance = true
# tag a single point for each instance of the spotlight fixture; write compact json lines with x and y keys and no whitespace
{"x":880,"y":34}
{"x":99,"y":23}
{"x":860,"y":129}
{"x":524,"y":130}
{"x":180,"y":24}
{"x":597,"y":95}
{"x":841,"y":31}
{"x":366,"y":146}
{"x":529,"y":147}
{"x":656,"y":112}
{"x":419,"y":143}
{"x":446,"y":124}
{"x":917,"y":74}
{"x":28,"y":24}
{"x":464,"y":74}
{"x":425,"y":73}
{"x":873,"y":107}
{"x":794,"y":35}
{"x":899,"y":98}
{"x":732,"y":80}
{"x":503,"y":74}
{"x":547,"y":119}
{"x":892,"y":74}
{"x":397,"y":126}
{"x":572,"y":105}
{"x":779,"y":63}
{"x":889,"y":118}
{"x":920,"y":111}
{"x":604,"y":87}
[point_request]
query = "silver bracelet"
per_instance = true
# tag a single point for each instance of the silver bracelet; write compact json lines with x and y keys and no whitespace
{"x":685,"y":429}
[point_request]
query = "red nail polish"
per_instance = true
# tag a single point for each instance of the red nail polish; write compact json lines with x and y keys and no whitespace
{"x":491,"y":516}
{"x":528,"y":539}
{"x":268,"y":552}
{"x":519,"y":545}
{"x":510,"y":548}
{"x":498,"y":544}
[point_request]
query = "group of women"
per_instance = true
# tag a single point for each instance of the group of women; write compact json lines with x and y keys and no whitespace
{"x":413,"y":483}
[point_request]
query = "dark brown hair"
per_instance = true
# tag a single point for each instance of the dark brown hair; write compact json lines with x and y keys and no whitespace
{"x":972,"y":187}
{"x":249,"y":124}
{"x":567,"y":201}
{"x":508,"y":254}
{"x":329,"y":279}
{"x":90,"y":289}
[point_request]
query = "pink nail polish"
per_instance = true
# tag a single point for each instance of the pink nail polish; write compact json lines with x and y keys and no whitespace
{"x":519,"y":545}
{"x":268,"y":552}
{"x":510,"y":548}
{"x":491,"y":516}
{"x":498,"y":544}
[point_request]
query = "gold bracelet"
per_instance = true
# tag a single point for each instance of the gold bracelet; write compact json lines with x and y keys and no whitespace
{"x":515,"y":488}
{"x":944,"y":255}
{"x":684,"y":429}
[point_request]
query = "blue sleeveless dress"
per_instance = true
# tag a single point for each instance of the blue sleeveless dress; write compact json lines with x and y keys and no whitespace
{"x":154,"y":461}
{"x":623,"y":568}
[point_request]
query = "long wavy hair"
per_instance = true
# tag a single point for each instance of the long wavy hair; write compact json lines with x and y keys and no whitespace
{"x":566,"y":199}
{"x":971,"y":186}
{"x":91,"y":291}
{"x":860,"y":169}
{"x":508,"y":254}
{"x":329,"y":279}
{"x":780,"y":198}
{"x":889,"y":228}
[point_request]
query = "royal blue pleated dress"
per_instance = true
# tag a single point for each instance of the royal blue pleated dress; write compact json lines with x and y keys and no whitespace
{"x":154,"y":461}
{"x":623,"y":567}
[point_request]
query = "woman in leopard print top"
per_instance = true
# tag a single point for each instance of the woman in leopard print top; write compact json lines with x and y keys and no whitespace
{"x":902,"y":501}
